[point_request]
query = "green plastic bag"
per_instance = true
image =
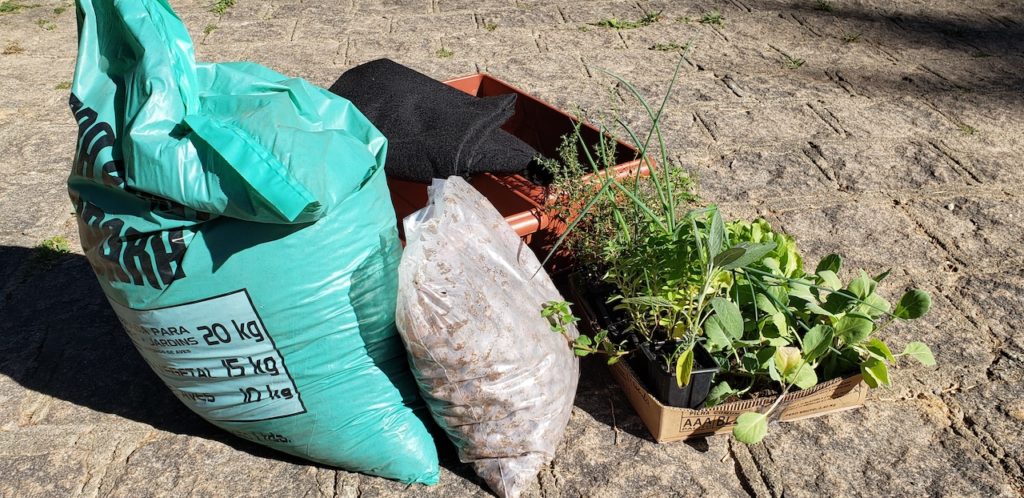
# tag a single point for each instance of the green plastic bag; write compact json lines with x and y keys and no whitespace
{"x":240,"y":225}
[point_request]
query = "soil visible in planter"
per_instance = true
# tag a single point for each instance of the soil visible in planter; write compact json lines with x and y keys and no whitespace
{"x":647,"y":360}
{"x":661,"y":380}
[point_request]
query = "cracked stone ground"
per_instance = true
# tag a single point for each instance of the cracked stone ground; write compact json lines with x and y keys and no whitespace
{"x":897,"y":141}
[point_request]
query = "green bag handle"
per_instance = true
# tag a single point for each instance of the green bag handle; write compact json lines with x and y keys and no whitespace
{"x":266,"y":176}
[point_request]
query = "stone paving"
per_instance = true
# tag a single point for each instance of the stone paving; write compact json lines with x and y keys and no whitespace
{"x":889,"y":131}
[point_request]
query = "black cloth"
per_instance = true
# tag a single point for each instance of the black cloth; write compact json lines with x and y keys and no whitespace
{"x":433,"y":130}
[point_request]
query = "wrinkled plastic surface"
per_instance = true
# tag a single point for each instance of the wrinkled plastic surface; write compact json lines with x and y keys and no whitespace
{"x":240,"y":225}
{"x":494,"y":375}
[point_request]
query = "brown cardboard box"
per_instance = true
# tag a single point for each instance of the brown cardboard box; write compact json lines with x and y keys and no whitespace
{"x":667,"y":423}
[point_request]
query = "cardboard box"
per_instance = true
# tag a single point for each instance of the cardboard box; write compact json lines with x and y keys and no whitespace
{"x":673,"y":424}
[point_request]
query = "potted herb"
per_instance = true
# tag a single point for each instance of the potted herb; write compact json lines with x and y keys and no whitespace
{"x":694,"y":301}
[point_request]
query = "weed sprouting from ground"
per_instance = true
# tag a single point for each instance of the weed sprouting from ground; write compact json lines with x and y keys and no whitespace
{"x":713,"y":18}
{"x":13,"y":48}
{"x":965,"y":128}
{"x":790,"y":62}
{"x":490,"y":26}
{"x":851,"y":37}
{"x":63,"y":85}
{"x":648,"y":19}
{"x":222,"y":6}
{"x":671,"y":47}
{"x":9,"y":6}
{"x":444,"y":53}
{"x":47,"y":253}
{"x":45,"y":24}
{"x":210,"y":28}
{"x":823,"y":5}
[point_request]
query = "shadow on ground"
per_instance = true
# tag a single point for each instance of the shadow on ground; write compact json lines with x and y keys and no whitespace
{"x":61,"y":338}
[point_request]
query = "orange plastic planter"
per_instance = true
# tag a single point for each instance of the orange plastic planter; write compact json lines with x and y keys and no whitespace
{"x":518,"y":199}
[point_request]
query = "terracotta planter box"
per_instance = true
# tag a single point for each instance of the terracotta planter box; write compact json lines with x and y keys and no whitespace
{"x":518,"y":199}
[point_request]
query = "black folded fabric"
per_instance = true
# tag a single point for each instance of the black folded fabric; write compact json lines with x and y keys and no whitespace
{"x":433,"y":130}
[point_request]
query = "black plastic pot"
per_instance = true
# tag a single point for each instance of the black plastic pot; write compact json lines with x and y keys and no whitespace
{"x":591,"y":299}
{"x":662,"y":382}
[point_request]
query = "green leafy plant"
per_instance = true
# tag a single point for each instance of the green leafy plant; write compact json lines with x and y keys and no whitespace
{"x":444,"y":53}
{"x":790,"y":62}
{"x":46,"y":24}
{"x":10,"y":6}
{"x":713,"y":18}
{"x":823,"y":5}
{"x":685,"y":278}
{"x":490,"y":26}
{"x":63,"y":85}
{"x":613,"y":23}
{"x":851,"y":36}
{"x":210,"y":28}
{"x":671,"y":47}
{"x":221,"y":6}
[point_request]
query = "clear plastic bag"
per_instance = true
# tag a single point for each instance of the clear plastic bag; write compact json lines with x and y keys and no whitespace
{"x":495,"y":376}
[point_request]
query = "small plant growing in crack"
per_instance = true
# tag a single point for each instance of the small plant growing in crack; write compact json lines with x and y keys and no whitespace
{"x":824,"y":6}
{"x":712,"y":18}
{"x":221,"y":6}
{"x":490,"y":26}
{"x":648,"y":19}
{"x":851,"y":37}
{"x":210,"y":28}
{"x":10,"y":6}
{"x":965,"y":128}
{"x":672,"y":47}
{"x":444,"y":53}
{"x":790,"y":62}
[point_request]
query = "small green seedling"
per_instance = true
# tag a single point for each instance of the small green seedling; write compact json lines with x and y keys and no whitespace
{"x":671,"y":47}
{"x":221,"y":6}
{"x":210,"y":28}
{"x":490,"y":26}
{"x":63,"y":85}
{"x":613,"y":23}
{"x":45,"y":24}
{"x":790,"y":62}
{"x":851,"y":37}
{"x":823,"y":5}
{"x":444,"y":53}
{"x":47,"y":253}
{"x":965,"y":128}
{"x":10,"y":6}
{"x":713,"y":18}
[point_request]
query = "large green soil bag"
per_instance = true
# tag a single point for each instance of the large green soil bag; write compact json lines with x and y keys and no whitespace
{"x":240,"y":225}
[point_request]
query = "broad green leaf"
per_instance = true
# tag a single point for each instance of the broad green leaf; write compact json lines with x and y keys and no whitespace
{"x":920,"y":352}
{"x":803,"y":377}
{"x":830,"y":280}
{"x":880,"y":349}
{"x":729,"y":255}
{"x":764,"y":304}
{"x":862,"y":286}
{"x":729,"y":317}
{"x":715,"y":334}
{"x":652,"y":301}
{"x":853,"y":329}
{"x":876,"y":372}
{"x":802,"y":289}
{"x":779,"y":321}
{"x":773,"y":372}
{"x":684,"y":365}
{"x":752,"y":253}
{"x":881,"y":276}
{"x":832,"y":263}
{"x":751,"y":428}
{"x":787,"y":359}
{"x":818,"y":310}
{"x":874,"y":306}
{"x":584,"y":340}
{"x":816,"y":341}
{"x":719,"y":393}
{"x":716,"y":237}
{"x":842,"y":364}
{"x":914,"y":304}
